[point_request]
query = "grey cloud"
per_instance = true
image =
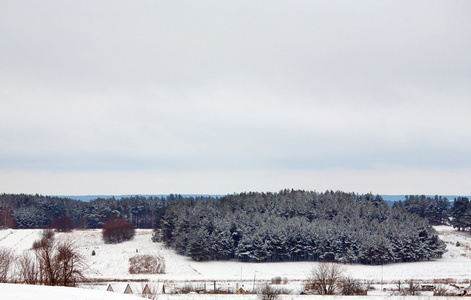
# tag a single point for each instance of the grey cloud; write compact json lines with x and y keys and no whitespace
{"x":235,"y":85}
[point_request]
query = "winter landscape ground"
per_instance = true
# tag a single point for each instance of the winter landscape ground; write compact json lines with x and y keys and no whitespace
{"x":110,"y":266}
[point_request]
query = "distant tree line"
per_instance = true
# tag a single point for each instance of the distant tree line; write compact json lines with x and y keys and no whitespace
{"x":438,"y":210}
{"x":461,"y":213}
{"x":37,"y":211}
{"x":435,"y":209}
{"x":288,"y":225}
{"x":299,"y":226}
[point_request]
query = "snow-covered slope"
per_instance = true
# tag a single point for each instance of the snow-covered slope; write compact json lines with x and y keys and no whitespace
{"x":27,"y":292}
{"x":112,"y":260}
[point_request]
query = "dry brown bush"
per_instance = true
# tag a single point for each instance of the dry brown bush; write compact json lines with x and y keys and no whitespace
{"x":146,"y":264}
{"x":349,"y":286}
{"x":63,"y":224}
{"x":117,"y":230}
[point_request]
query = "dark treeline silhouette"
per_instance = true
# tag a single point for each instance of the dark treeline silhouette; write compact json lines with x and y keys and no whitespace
{"x":37,"y":211}
{"x":299,"y":226}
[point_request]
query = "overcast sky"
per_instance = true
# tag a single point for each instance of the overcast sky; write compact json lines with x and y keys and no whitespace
{"x":217,"y":97}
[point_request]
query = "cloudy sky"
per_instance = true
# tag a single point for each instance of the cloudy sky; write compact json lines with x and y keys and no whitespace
{"x":217,"y":97}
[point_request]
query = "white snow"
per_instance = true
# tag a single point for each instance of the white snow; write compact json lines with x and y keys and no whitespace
{"x":111,"y":263}
{"x":27,"y":292}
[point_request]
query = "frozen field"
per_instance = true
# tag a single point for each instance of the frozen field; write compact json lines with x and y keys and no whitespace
{"x":111,"y":260}
{"x":111,"y":263}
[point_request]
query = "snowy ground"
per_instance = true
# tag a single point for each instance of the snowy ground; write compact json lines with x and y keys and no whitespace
{"x":27,"y":292}
{"x":111,"y":263}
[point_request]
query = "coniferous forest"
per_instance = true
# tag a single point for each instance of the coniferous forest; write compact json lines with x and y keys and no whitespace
{"x":290,"y":225}
{"x":299,"y":226}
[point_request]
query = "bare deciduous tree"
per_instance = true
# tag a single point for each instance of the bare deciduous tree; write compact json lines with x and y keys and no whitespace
{"x":325,"y":278}
{"x":59,"y":262}
{"x":27,"y":268}
{"x":267,"y":292}
{"x":69,"y":262}
{"x":6,"y":261}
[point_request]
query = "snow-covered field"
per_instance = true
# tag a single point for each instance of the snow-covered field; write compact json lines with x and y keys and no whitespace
{"x":111,"y":262}
{"x":27,"y":292}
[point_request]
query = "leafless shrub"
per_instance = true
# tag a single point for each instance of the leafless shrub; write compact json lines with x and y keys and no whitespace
{"x":63,"y":224}
{"x":369,"y":285}
{"x":188,"y":287}
{"x":349,"y":286}
{"x":48,"y":234}
{"x":268,"y":292}
{"x":325,"y":279}
{"x":413,"y":288}
{"x":440,"y":290}
{"x":410,"y":288}
{"x":47,"y":237}
{"x":6,"y":262}
{"x":146,"y":264}
{"x":117,"y":230}
{"x":39,"y":243}
{"x":27,"y":268}
{"x":59,"y":264}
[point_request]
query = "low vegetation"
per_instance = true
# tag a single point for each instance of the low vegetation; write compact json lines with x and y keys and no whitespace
{"x":117,"y":230}
{"x":6,"y":259}
{"x":146,"y":264}
{"x":50,"y":262}
{"x":268,"y":292}
{"x":63,"y":224}
{"x":326,"y":279}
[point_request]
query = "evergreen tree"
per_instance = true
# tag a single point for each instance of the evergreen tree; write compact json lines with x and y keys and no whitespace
{"x":461,"y":213}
